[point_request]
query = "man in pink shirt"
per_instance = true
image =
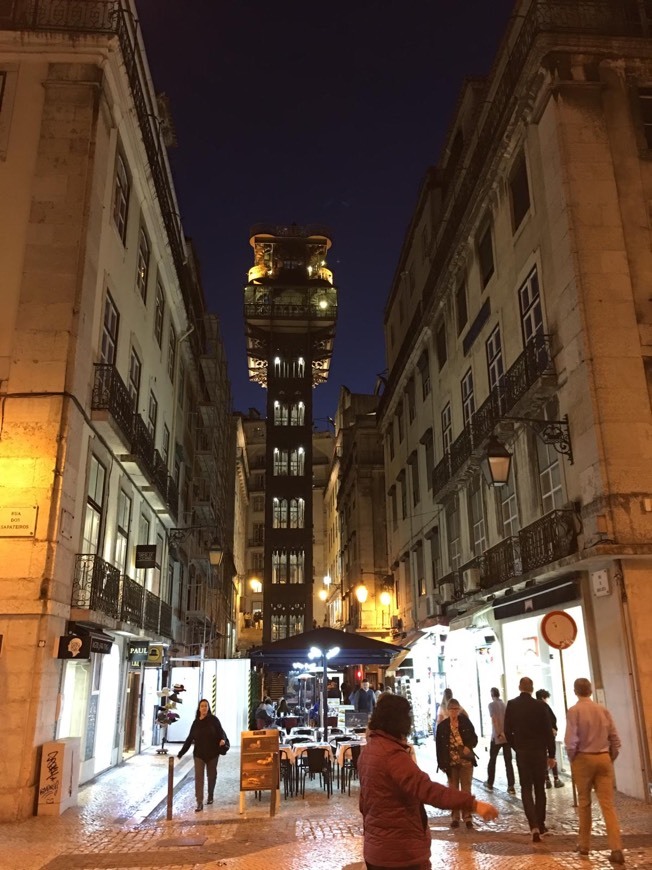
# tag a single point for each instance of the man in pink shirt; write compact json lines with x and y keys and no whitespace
{"x":592,"y":744}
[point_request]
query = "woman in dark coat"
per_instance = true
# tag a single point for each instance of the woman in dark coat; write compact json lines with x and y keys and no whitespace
{"x":393,"y":791}
{"x":209,"y":737}
{"x":456,"y":738}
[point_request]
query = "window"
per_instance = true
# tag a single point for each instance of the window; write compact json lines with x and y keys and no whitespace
{"x":94,"y":506}
{"x":297,"y":462}
{"x":453,"y":532}
{"x":468,"y":402}
{"x":485,"y":255}
{"x":530,"y":305}
{"x":476,"y":516}
{"x":152,"y":415}
{"x":298,"y":368}
{"x":279,"y":626}
{"x":414,"y":468}
{"x":424,"y":372}
{"x":142,"y":272}
{"x":181,"y":392}
{"x":258,"y":481}
{"x":143,"y":538}
{"x":259,"y":534}
{"x":509,"y":508}
{"x":281,"y":414}
{"x":392,"y":499}
{"x":495,"y":366}
{"x":165,"y":445}
{"x":421,"y":574}
{"x":550,"y":483}
{"x":519,"y":191}
{"x":258,"y":504}
{"x":410,"y":399}
{"x":172,"y":353}
{"x":645,"y":105}
{"x":123,"y":525}
{"x":288,"y":566}
{"x":399,"y":421}
{"x":460,"y":306}
{"x":446,"y":428}
{"x":109,"y":331}
{"x":435,"y":557}
{"x":297,"y":413}
{"x":121,"y":187}
{"x":403,"y":484}
{"x":258,"y":562}
{"x":428,"y":442}
{"x":280,"y":513}
{"x":296,"y":566}
{"x":297,"y":513}
{"x":159,"y":314}
{"x":390,"y":440}
{"x":440,"y":345}
{"x":135,"y":369}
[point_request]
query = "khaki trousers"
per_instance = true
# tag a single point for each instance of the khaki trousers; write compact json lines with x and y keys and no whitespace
{"x":460,"y":776}
{"x":596,"y":772}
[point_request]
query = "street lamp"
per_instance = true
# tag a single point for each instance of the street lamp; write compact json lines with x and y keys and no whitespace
{"x":323,"y":595}
{"x":256,"y":585}
{"x":361,"y":593}
{"x":315,"y":653}
{"x":496,"y":463}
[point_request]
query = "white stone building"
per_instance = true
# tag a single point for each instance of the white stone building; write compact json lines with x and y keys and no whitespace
{"x":521,"y":299}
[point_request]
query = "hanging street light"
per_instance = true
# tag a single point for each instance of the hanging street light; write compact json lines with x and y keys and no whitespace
{"x":496,"y":463}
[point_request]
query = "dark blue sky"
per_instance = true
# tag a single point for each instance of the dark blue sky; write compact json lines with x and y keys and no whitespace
{"x":313,"y":113}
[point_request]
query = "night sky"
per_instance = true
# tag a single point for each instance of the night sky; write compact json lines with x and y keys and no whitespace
{"x":303,"y":112}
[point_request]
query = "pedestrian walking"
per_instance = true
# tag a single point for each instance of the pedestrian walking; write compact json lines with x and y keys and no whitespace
{"x":593,"y":744}
{"x":455,"y":740}
{"x":210,"y":741}
{"x":365,"y":699}
{"x":529,"y":733}
{"x":543,"y":695}
{"x":499,"y":743}
{"x":393,"y":791}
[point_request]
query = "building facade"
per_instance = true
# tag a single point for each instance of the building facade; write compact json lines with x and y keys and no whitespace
{"x":519,"y":318}
{"x":108,"y":362}
{"x":290,"y":308}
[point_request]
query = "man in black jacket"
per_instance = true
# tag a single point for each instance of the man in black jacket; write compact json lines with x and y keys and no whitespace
{"x":529,"y":733}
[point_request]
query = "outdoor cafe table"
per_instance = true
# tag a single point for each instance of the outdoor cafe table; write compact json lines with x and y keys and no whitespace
{"x":300,"y":749}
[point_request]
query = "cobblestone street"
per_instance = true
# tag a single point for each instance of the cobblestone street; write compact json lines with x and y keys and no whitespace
{"x":120,"y":823}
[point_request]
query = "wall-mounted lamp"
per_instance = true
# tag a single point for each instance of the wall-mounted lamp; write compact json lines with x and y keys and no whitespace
{"x":361,"y":593}
{"x":256,"y":585}
{"x":497,"y":460}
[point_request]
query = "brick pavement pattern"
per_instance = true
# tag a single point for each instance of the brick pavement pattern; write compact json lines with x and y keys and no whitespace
{"x":120,"y":823}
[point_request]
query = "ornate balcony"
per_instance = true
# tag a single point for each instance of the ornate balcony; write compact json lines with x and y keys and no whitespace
{"x":165,"y":627}
{"x":96,"y":585}
{"x":532,"y":368}
{"x":152,"y":611}
{"x":132,"y":601}
{"x":112,"y":407}
{"x":548,"y":539}
{"x":501,"y":563}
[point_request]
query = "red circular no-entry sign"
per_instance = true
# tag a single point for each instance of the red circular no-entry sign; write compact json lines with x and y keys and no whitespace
{"x":559,"y":629}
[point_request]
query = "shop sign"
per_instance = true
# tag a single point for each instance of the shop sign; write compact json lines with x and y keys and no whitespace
{"x":18,"y":522}
{"x":146,"y":556}
{"x":71,"y":646}
{"x":154,"y":656}
{"x":259,"y":760}
{"x":138,"y":652}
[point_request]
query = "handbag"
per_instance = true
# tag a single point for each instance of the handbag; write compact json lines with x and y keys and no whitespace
{"x":224,"y":749}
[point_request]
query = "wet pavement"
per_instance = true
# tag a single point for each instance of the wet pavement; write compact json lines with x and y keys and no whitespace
{"x":121,"y":823}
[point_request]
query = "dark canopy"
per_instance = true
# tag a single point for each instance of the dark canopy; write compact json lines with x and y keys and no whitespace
{"x":355,"y":649}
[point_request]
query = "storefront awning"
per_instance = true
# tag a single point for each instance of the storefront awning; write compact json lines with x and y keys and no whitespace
{"x":397,"y":661}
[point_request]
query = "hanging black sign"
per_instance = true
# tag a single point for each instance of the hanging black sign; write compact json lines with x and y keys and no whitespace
{"x":138,"y":652}
{"x":146,"y":556}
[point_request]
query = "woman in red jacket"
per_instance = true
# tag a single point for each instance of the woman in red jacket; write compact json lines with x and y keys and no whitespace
{"x":393,"y":791}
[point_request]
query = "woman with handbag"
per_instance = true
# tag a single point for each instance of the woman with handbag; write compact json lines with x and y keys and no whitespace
{"x":456,"y":738}
{"x":210,"y":741}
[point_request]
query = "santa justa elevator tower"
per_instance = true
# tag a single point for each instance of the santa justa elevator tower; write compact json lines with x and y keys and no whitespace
{"x":290,"y":308}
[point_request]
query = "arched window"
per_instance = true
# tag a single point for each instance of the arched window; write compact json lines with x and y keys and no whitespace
{"x":296,"y":566}
{"x":297,"y":413}
{"x":297,"y":512}
{"x":280,"y":513}
{"x":279,"y":566}
{"x":280,"y":462}
{"x":280,"y":414}
{"x":297,"y":462}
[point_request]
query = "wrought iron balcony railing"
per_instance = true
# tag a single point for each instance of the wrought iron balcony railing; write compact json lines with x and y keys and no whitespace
{"x":501,"y":563}
{"x":547,"y":539}
{"x":96,"y":585}
{"x":132,"y":601}
{"x":165,"y":626}
{"x":110,"y":394}
{"x":460,"y":450}
{"x":152,"y":611}
{"x":142,"y":446}
{"x":284,"y":311}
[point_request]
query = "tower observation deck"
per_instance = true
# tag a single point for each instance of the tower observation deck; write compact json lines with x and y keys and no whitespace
{"x":290,"y":309}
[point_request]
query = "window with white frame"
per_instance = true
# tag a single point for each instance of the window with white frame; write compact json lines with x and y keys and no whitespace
{"x":258,"y":504}
{"x":297,"y":462}
{"x":281,"y":413}
{"x":142,"y":270}
{"x":159,"y":314}
{"x":259,"y":534}
{"x":94,"y":506}
{"x":110,"y":327}
{"x":121,"y":189}
{"x":123,"y":526}
{"x":143,"y":538}
{"x":453,"y":534}
{"x":297,"y":413}
{"x":495,"y":366}
{"x":258,"y":562}
{"x":155,"y":586}
{"x":279,"y":513}
{"x":135,"y":369}
{"x":172,"y":353}
{"x":165,"y":445}
{"x":530,"y":306}
{"x":476,"y":517}
{"x":550,"y":483}
{"x":468,"y":400}
{"x":152,"y":415}
{"x":509,"y":508}
{"x":446,"y":427}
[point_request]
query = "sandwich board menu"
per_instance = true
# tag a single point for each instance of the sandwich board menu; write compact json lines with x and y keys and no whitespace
{"x":259,"y":764}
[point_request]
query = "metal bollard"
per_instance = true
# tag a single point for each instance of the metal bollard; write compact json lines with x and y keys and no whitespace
{"x":170,"y":786}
